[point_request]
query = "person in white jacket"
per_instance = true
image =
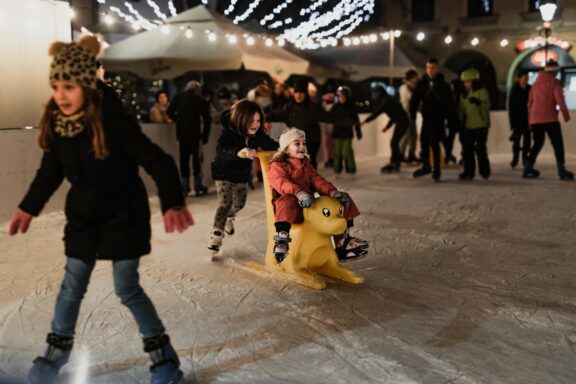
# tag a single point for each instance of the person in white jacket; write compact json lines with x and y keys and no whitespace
{"x":410,"y":137}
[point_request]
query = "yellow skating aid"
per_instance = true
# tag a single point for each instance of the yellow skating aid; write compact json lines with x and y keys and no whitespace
{"x":311,"y":251}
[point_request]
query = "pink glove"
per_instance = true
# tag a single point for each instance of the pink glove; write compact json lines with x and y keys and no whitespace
{"x":178,"y":218}
{"x":20,"y":221}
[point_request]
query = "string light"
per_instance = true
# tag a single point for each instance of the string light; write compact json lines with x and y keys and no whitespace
{"x":277,"y":10}
{"x":108,"y":19}
{"x":188,"y":33}
{"x":232,"y":39}
{"x":420,"y":36}
{"x":250,"y":40}
{"x":211,"y":37}
{"x":448,"y":39}
{"x":475,"y":41}
{"x":253,"y":5}
{"x":230,"y":8}
{"x":156,"y":9}
{"x":504,"y":42}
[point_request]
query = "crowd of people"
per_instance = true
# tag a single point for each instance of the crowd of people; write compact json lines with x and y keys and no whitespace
{"x":88,"y":138}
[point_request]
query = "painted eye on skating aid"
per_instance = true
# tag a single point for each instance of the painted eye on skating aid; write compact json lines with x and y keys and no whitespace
{"x":326,"y":212}
{"x":341,"y":211}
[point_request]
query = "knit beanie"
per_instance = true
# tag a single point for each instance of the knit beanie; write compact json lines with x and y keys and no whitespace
{"x":75,"y":61}
{"x":288,"y":136}
{"x":301,"y":85}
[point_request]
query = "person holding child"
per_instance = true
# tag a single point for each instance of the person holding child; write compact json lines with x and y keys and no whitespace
{"x":294,"y":181}
{"x":97,"y":147}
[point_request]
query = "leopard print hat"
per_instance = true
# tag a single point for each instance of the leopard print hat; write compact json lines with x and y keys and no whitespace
{"x":75,"y":61}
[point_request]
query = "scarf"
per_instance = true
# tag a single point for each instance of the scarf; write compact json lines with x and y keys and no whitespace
{"x":69,"y":126}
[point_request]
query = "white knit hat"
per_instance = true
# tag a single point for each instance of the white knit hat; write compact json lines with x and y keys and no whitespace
{"x":288,"y":136}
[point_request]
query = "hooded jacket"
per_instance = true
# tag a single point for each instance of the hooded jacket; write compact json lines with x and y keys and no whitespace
{"x":227,"y":165}
{"x":473,"y":115}
{"x":545,"y":95}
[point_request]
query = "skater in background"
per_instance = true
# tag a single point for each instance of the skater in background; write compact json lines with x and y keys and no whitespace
{"x":242,"y":133}
{"x":294,"y":181}
{"x":384,"y":103}
{"x":344,"y":112}
{"x":408,"y":141}
{"x":545,"y":96}
{"x":518,"y":117}
{"x":474,"y":114}
{"x":326,"y":128}
{"x":303,"y":113}
{"x":191,"y":112}
{"x":433,"y":98}
{"x":97,"y":147}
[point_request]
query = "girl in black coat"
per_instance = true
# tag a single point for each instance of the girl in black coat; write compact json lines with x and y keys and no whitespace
{"x":89,"y":140}
{"x":242,"y":133}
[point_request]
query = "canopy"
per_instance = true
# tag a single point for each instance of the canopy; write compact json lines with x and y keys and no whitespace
{"x":166,"y":52}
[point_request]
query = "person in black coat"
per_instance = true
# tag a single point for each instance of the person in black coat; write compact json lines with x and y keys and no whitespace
{"x":518,"y":117}
{"x":434,"y":99}
{"x":304,"y":114}
{"x":384,"y":103}
{"x":242,"y":133}
{"x":191,"y":112}
{"x":89,"y":140}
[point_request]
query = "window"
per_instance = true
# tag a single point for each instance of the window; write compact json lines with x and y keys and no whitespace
{"x":533,"y":5}
{"x":422,"y":10}
{"x":480,"y":8}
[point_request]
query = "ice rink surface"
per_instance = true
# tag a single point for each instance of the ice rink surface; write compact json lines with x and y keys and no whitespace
{"x":466,"y":282}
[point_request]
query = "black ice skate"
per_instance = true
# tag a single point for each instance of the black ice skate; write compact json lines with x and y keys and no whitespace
{"x":349,"y":248}
{"x":165,"y":362}
{"x":390,"y":168}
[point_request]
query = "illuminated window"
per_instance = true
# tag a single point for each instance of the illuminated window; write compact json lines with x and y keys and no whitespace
{"x":480,"y":8}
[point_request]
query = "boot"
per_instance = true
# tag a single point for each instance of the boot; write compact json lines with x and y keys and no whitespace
{"x":515,"y":158}
{"x":185,"y":186}
{"x":564,"y":174}
{"x":529,"y":171}
{"x":199,"y":188}
{"x":436,"y":174}
{"x":348,"y":247}
{"x":229,"y":227}
{"x":422,"y":171}
{"x":165,"y":362}
{"x":390,"y":168}
{"x":216,"y":237}
{"x":465,"y":177}
{"x":45,"y":368}
{"x":281,"y":248}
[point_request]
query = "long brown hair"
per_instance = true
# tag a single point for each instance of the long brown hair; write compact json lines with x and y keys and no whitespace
{"x":93,"y":115}
{"x":242,"y":113}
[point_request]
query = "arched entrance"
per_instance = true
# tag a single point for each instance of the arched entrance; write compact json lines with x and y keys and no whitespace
{"x":465,"y":59}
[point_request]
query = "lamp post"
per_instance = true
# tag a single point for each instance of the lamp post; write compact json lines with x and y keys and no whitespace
{"x":547,"y":10}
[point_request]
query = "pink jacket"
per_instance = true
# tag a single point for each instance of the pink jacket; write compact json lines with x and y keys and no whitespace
{"x":545,"y":95}
{"x":293,"y":176}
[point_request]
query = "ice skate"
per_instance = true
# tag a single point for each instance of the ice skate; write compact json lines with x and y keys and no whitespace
{"x":350,"y":248}
{"x":390,"y":168}
{"x":422,"y":172}
{"x":229,"y":227}
{"x":165,"y":362}
{"x":281,"y":246}
{"x":45,"y":368}
{"x":530,"y":172}
{"x":465,"y":177}
{"x":565,"y":174}
{"x":199,"y":188}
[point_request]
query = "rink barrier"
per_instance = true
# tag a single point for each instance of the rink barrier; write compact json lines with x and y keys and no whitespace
{"x":311,"y":251}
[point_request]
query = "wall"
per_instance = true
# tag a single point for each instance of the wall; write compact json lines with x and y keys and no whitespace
{"x":20,"y":155}
{"x":27,"y":29}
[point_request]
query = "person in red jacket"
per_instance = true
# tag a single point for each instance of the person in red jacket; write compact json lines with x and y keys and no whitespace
{"x":294,"y":181}
{"x":545,"y":95}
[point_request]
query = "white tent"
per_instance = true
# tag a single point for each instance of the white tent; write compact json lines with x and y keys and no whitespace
{"x":167,"y":52}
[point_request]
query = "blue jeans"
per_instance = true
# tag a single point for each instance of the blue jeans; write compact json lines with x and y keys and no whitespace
{"x":126,"y":285}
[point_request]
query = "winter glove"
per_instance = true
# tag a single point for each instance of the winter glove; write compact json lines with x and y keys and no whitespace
{"x":474,"y":100}
{"x":304,"y":199}
{"x":358,"y":133}
{"x":342,"y":196}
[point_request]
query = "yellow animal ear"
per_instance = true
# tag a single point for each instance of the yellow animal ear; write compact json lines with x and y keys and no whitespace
{"x":56,"y":47}
{"x":90,"y":43}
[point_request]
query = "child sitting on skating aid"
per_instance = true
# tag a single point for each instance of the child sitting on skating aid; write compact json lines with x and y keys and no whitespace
{"x":294,"y":181}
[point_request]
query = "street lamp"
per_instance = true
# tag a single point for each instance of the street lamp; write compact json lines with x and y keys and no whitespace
{"x":547,"y":11}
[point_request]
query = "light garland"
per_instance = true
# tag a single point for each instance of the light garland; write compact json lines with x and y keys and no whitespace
{"x":253,"y":5}
{"x":277,"y":10}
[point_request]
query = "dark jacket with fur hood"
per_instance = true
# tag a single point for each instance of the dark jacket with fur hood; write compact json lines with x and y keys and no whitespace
{"x":107,"y":211}
{"x":227,"y":166}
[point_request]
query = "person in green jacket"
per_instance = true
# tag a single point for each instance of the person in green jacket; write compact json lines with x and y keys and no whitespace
{"x":474,"y":114}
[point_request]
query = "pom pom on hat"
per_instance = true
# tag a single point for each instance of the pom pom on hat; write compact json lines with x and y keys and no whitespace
{"x":288,"y":136}
{"x":75,"y":61}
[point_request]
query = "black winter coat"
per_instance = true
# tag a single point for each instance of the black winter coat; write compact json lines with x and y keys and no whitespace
{"x":518,"y":107}
{"x":304,"y":116}
{"x":227,"y":166}
{"x":391,"y":107}
{"x":107,"y":211}
{"x":434,"y":97}
{"x":190,"y":112}
{"x":343,"y":114}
